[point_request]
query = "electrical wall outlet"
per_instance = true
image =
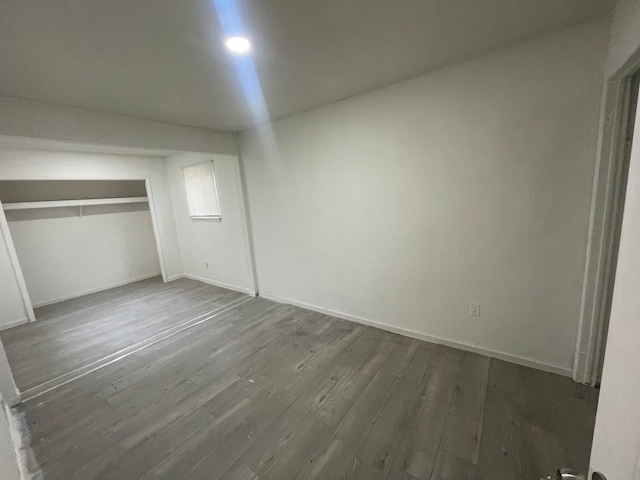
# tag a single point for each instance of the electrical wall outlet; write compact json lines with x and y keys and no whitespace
{"x":474,"y":309}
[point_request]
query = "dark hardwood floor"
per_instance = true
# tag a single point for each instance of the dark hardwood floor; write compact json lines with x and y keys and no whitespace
{"x":270,"y":391}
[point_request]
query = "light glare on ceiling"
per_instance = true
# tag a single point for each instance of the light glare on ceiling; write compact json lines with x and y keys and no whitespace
{"x":238,"y":45}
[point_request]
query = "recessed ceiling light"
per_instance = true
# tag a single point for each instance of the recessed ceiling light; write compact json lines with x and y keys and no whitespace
{"x":238,"y":45}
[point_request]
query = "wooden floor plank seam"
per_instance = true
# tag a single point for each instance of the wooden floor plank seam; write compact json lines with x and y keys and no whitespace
{"x":80,"y":372}
{"x":314,"y":397}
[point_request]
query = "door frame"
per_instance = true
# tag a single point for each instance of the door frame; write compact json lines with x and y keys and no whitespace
{"x":156,"y":229}
{"x":5,"y":234}
{"x":607,"y":204}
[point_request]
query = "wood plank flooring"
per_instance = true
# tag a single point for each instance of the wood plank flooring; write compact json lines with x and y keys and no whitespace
{"x":76,"y":332}
{"x":271,"y":391}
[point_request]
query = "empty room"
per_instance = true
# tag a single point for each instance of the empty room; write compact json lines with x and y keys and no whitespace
{"x":338,"y":239}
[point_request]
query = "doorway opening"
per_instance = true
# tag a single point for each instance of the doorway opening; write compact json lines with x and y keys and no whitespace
{"x":610,"y":184}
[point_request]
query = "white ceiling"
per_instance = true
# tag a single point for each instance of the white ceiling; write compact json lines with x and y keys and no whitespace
{"x":164,"y":59}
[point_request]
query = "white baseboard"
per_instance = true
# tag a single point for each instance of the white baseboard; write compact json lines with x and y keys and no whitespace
{"x":175,"y":277}
{"x":527,"y":362}
{"x":228,"y":286}
{"x":96,"y":290}
{"x":14,"y":323}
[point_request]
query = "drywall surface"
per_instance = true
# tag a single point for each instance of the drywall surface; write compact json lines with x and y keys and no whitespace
{"x":65,"y":255}
{"x":8,"y":455}
{"x":12,"y":310}
{"x":25,"y":118}
{"x":617,"y":435}
{"x":33,"y":165}
{"x":471,"y":184}
{"x":624,"y":34}
{"x":220,"y":245}
{"x":8,"y":390}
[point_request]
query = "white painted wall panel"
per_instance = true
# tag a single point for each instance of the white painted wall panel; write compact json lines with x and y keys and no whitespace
{"x":624,"y":34}
{"x":8,"y":459}
{"x":469,"y":184}
{"x":220,"y":244}
{"x":11,"y":307}
{"x":26,"y":118}
{"x":69,"y":256}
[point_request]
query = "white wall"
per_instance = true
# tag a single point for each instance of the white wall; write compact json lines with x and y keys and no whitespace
{"x":8,"y":391}
{"x":624,"y":35}
{"x":8,"y":459}
{"x":70,"y":255}
{"x":33,"y":165}
{"x":223,"y":245}
{"x":616,"y":442}
{"x":12,"y":310}
{"x":25,"y":118}
{"x":8,"y":395}
{"x":470,"y":184}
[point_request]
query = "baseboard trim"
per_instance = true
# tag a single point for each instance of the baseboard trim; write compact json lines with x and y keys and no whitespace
{"x":524,"y":361}
{"x":96,"y":290}
{"x":14,"y":323}
{"x":228,"y":286}
{"x":175,"y":277}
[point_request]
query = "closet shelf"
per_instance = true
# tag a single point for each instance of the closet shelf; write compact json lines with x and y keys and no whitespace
{"x":72,"y":203}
